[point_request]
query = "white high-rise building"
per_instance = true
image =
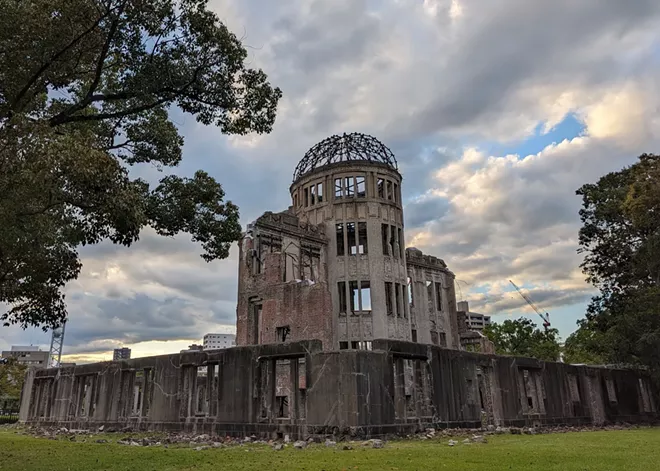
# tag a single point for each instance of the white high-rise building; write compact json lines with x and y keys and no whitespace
{"x":218,"y":341}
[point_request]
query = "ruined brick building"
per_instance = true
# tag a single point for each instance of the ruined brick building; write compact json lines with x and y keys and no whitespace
{"x":334,"y":266}
{"x":340,"y":331}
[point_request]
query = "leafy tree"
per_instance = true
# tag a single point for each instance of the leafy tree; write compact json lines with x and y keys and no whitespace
{"x":585,"y":345}
{"x":620,"y":238}
{"x":521,"y":337}
{"x":86,"y":90}
{"x":12,"y":374}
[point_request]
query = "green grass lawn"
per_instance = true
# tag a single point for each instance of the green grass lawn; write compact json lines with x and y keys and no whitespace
{"x":604,"y":450}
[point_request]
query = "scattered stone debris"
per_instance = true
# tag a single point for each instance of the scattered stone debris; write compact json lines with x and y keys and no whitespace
{"x":375,"y":443}
{"x":300,"y":445}
{"x":204,"y":441}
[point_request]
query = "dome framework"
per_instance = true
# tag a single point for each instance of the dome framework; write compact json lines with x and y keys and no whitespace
{"x":344,"y":148}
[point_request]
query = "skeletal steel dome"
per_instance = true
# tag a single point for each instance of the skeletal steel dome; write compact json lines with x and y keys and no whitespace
{"x":344,"y":148}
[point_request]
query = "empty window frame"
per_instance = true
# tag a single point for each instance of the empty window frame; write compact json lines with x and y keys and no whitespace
{"x":411,"y":301}
{"x":380,"y":185}
{"x":360,"y":296}
{"x":395,"y":198}
{"x":306,"y":196}
{"x":388,"y":298}
{"x":438,"y":296}
{"x":393,"y":241}
{"x":351,"y":238}
{"x":362,"y":238}
{"x":349,"y":187}
{"x":319,"y":193}
{"x":413,"y":333}
{"x":361,"y":185}
{"x":429,"y":295}
{"x":384,"y":229}
{"x":390,"y":192}
{"x":343,"y":345}
{"x":339,"y":234}
{"x":361,"y":345}
{"x":295,"y":200}
{"x":400,"y":240}
{"x":434,"y":337}
{"x":397,"y":299}
{"x":312,"y":192}
{"x":365,"y":295}
{"x":341,"y":292}
{"x":339,"y":189}
{"x":443,"y":339}
{"x":354,"y":294}
{"x":283,"y":333}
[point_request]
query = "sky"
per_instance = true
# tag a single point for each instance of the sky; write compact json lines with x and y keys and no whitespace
{"x":497,"y":112}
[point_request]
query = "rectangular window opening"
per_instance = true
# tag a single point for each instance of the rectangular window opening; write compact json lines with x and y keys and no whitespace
{"x":413,"y":333}
{"x":319,"y":193}
{"x":339,"y":233}
{"x":388,"y":298}
{"x":351,"y":238}
{"x":350,"y":187}
{"x":361,"y":187}
{"x":339,"y":190}
{"x":354,"y":295}
{"x":400,"y":240}
{"x":355,"y":345}
{"x":390,"y":192}
{"x":411,"y":301}
{"x":393,"y":240}
{"x":312,"y":191}
{"x":362,"y":238}
{"x":396,"y":193}
{"x":397,"y":297}
{"x":429,"y":295}
{"x":306,"y":193}
{"x":341,"y":289}
{"x":381,"y":188}
{"x":343,"y":345}
{"x":283,"y":333}
{"x":365,"y":295}
{"x":384,"y":229}
{"x":438,"y":296}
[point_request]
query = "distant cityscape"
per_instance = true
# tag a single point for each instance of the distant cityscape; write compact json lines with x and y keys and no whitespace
{"x":34,"y":356}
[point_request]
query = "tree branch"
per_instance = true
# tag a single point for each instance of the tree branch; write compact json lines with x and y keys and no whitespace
{"x":47,"y":65}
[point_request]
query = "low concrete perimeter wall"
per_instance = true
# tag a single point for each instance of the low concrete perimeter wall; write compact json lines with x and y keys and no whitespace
{"x":300,"y":390}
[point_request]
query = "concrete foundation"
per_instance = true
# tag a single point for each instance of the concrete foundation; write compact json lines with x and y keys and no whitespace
{"x":302,"y":390}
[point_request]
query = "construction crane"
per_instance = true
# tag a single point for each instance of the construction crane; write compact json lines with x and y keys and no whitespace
{"x":545,"y":317}
{"x":56,"y":343}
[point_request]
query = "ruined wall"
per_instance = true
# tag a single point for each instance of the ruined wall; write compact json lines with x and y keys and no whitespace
{"x":301,"y":389}
{"x":433,"y":300}
{"x":283,"y":293}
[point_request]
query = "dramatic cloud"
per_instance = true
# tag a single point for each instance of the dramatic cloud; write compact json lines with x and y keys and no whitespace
{"x":465,"y":92}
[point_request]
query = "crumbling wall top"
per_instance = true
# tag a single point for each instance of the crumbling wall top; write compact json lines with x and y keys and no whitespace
{"x":414,"y":256}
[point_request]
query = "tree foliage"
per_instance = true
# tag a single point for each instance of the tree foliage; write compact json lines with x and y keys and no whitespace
{"x":521,"y":337}
{"x":620,"y":238}
{"x":12,"y":374}
{"x":86,"y":90}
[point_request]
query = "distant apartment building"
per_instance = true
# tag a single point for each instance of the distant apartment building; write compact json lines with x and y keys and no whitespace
{"x":473,"y":320}
{"x":218,"y":341}
{"x":28,"y":355}
{"x":121,"y":354}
